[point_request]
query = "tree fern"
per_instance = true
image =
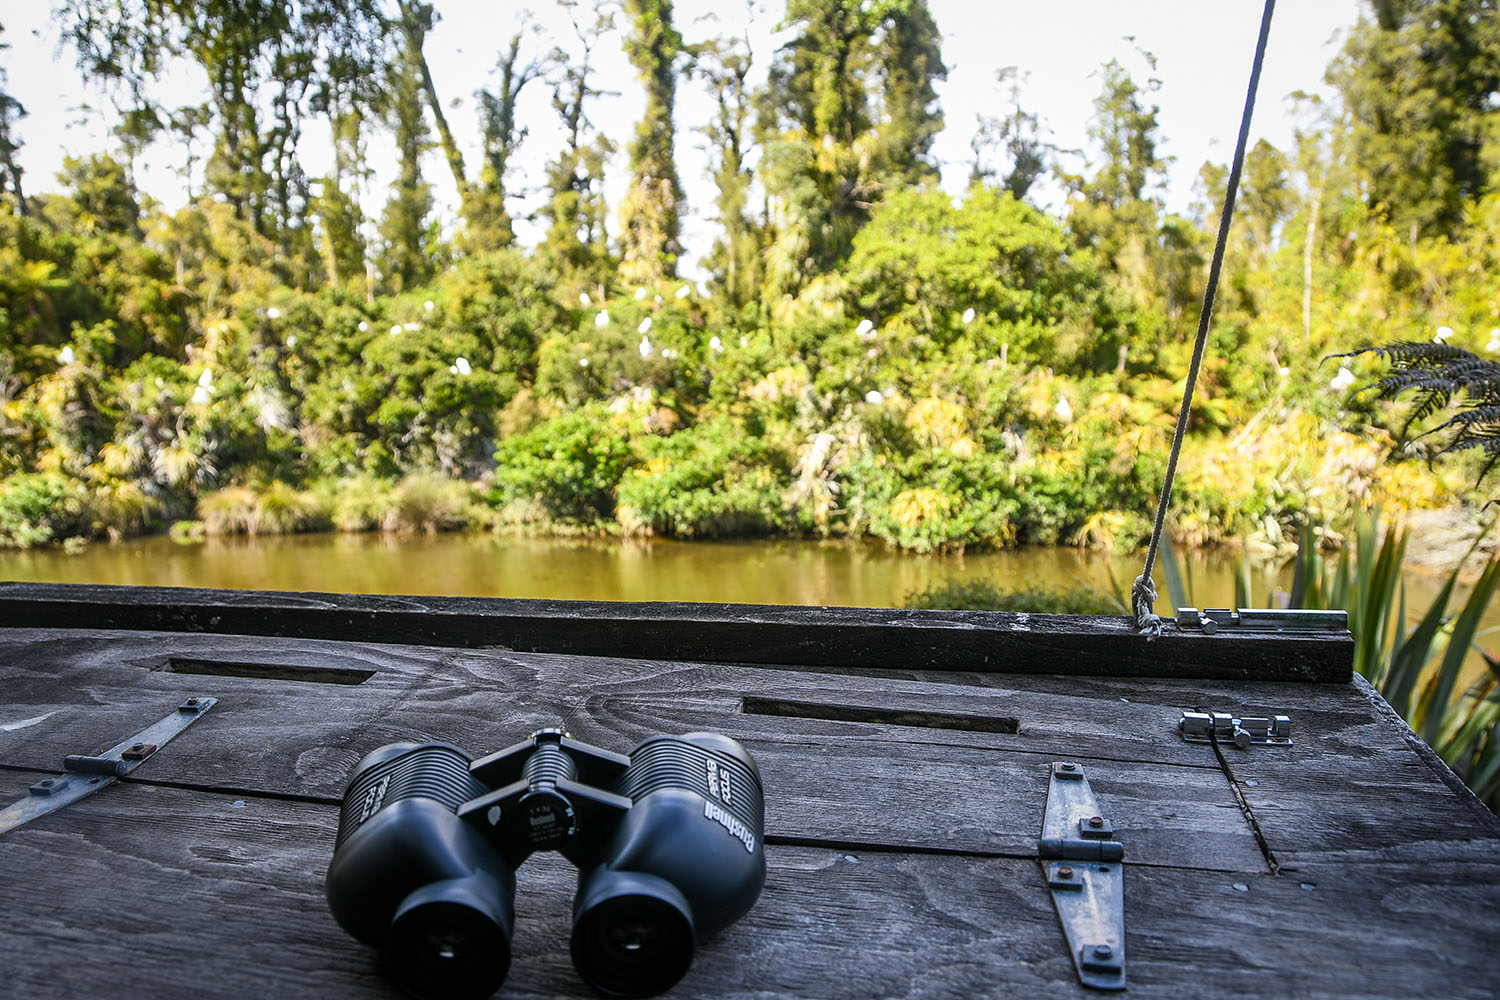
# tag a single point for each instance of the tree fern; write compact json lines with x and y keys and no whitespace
{"x":1438,"y":374}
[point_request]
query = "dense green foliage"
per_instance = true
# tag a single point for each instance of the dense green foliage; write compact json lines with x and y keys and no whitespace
{"x":871,"y":357}
{"x":982,"y":595}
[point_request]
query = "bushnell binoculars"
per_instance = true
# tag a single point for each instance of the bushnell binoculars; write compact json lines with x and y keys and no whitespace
{"x":666,"y":840}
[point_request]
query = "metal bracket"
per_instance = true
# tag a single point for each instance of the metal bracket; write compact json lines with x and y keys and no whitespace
{"x":1211,"y":620}
{"x":83,"y":775}
{"x":1082,"y":863}
{"x":1221,"y":727}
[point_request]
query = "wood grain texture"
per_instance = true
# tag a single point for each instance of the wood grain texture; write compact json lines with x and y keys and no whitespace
{"x":855,"y":637}
{"x":1363,"y":788}
{"x":143,"y":891}
{"x":877,"y":784}
{"x":898,"y":853}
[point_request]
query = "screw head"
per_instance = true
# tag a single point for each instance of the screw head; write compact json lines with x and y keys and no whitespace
{"x":137,"y":746}
{"x":1069,"y":766}
{"x":1103,"y":951}
{"x":1096,"y":821}
{"x":47,"y":782}
{"x":192,"y":701}
{"x":1064,"y":872}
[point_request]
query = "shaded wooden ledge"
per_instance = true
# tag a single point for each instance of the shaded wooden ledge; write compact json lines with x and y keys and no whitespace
{"x":984,"y":641}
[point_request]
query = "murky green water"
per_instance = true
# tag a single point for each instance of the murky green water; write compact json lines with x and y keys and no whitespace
{"x":777,"y":572}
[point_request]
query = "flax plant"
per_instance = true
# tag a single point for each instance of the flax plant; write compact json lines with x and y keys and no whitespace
{"x":1419,"y":671}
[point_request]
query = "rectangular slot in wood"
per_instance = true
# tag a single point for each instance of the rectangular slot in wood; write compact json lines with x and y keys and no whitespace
{"x":268,"y":671}
{"x":788,"y":709}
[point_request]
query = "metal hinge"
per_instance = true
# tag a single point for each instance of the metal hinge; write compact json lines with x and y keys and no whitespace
{"x":1221,"y":727}
{"x":1082,"y":863}
{"x":84,"y":775}
{"x":1211,"y":620}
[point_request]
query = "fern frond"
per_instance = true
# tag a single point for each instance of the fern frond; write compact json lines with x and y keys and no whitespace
{"x":1436,"y":375}
{"x":1427,"y":404}
{"x":1398,"y":382}
{"x":1410,"y":354}
{"x":1478,"y":415}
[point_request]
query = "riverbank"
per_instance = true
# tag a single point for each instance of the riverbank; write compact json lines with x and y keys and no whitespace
{"x":807,"y":572}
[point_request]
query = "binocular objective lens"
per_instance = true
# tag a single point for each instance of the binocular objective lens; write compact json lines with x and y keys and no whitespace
{"x":632,"y":946}
{"x":447,"y":950}
{"x":634,"y":931}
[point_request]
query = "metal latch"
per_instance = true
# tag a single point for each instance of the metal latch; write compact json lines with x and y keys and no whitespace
{"x":84,"y":775}
{"x":1082,"y":863}
{"x":1211,"y":620}
{"x":1221,"y":727}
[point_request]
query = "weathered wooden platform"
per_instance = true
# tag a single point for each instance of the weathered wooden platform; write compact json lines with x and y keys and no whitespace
{"x":904,"y":801}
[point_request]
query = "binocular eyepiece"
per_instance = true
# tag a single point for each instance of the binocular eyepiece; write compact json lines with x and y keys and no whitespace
{"x":666,"y":840}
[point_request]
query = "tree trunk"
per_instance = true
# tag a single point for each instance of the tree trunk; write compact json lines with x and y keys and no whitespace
{"x":1307,"y":249}
{"x":415,"y":25}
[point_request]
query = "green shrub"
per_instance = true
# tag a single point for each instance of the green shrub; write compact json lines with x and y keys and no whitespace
{"x":712,"y":480}
{"x":277,"y":508}
{"x":39,"y":508}
{"x":566,"y":469}
{"x":934,"y":501}
{"x":958,"y":594}
{"x":422,"y":501}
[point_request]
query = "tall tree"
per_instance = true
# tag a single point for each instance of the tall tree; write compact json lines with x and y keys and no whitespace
{"x":575,"y":243}
{"x":489,"y":220}
{"x":1011,"y":150}
{"x":1266,"y":197}
{"x":104,"y":198}
{"x":825,"y":163}
{"x":186,"y":123}
{"x":724,"y":63}
{"x":1116,"y":210}
{"x":11,"y":111}
{"x":416,"y":19}
{"x":911,"y":52}
{"x":1420,"y":81}
{"x":404,"y":261}
{"x":648,"y":215}
{"x":241,"y":45}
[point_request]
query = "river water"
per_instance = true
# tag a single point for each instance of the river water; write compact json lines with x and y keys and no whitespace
{"x":482,"y":565}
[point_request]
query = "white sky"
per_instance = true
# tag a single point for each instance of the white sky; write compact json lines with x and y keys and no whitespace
{"x":1203,"y":50}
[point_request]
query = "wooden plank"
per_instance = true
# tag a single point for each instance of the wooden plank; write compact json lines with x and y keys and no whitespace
{"x":1125,"y":719}
{"x":833,"y":637}
{"x":143,"y":891}
{"x":1373,"y":791}
{"x":869,"y":783}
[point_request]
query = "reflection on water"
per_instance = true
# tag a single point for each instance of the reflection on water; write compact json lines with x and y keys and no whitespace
{"x":759,"y":572}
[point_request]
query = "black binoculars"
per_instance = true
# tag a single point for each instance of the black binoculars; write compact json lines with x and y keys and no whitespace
{"x":667,"y":843}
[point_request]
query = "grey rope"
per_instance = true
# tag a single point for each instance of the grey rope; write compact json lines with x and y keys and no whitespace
{"x":1143,"y":593}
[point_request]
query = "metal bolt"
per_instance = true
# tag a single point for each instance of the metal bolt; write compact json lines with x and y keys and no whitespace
{"x":47,"y":782}
{"x":1065,"y":872}
{"x":1103,"y":951}
{"x":1070,"y":767}
{"x":192,"y":701}
{"x":1096,"y":821}
{"x":137,"y":746}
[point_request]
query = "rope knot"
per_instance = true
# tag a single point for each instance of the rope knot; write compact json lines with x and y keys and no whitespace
{"x":1143,"y":597}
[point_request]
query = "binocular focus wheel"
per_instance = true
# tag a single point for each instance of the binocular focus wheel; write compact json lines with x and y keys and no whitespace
{"x":632,"y":944}
{"x":442,"y":949}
